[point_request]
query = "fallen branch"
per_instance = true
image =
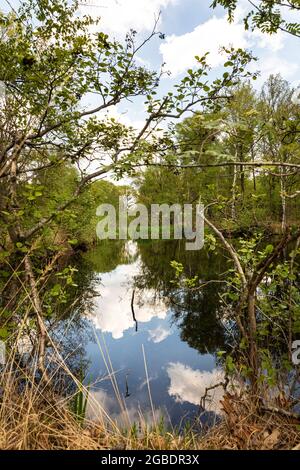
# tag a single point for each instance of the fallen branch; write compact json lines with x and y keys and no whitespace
{"x":132,"y":310}
{"x":281,"y":411}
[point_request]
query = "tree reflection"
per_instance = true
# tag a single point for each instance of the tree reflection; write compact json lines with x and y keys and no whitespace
{"x":70,"y":327}
{"x":197,"y":311}
{"x":108,"y":254}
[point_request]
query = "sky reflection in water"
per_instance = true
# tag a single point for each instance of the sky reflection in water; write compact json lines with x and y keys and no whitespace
{"x":178,"y":373}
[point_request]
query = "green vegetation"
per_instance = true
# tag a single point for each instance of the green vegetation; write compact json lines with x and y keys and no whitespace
{"x":55,"y":186}
{"x":238,"y":153}
{"x":220,"y":158}
{"x":267,"y":15}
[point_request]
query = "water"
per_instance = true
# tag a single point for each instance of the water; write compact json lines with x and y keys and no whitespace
{"x":178,"y":332}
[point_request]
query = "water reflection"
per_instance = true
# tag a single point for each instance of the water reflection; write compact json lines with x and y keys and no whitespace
{"x":195,"y":312}
{"x":187,"y":384}
{"x":179,"y":331}
{"x":159,"y":334}
{"x":112,"y":313}
{"x":123,"y":417}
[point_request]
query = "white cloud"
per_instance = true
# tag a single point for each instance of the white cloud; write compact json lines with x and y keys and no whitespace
{"x":123,"y":117}
{"x":101,"y":405}
{"x":159,"y":334}
{"x":98,"y":404}
{"x":179,"y":51}
{"x":119,"y":16}
{"x":187,"y":384}
{"x":273,"y":42}
{"x":274,"y":65}
{"x":113,"y":311}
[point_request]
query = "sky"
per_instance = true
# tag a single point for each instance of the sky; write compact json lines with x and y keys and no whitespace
{"x":177,"y":372}
{"x":192,"y":28}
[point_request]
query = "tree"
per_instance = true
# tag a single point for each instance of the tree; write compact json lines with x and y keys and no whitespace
{"x":279,"y":141}
{"x":53,"y":62}
{"x":266,"y":15}
{"x":239,"y":160}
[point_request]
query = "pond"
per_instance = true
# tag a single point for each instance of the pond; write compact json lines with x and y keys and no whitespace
{"x":151,"y":348}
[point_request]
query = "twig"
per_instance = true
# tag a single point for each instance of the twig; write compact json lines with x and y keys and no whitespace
{"x":212,"y":387}
{"x":132,"y":310}
{"x":273,"y":409}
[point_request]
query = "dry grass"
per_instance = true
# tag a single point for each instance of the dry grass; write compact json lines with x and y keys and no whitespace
{"x":247,"y":426}
{"x":32,"y":420}
{"x":32,"y":417}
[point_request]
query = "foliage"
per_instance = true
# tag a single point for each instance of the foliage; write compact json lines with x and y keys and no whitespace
{"x":238,"y":154}
{"x":79,"y":404}
{"x":61,"y":76}
{"x":266,"y":15}
{"x":253,"y":127}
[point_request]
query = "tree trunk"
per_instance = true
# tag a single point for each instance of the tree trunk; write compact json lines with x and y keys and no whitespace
{"x":252,"y":336}
{"x":283,"y":203}
{"x":233,"y":191}
{"x":42,"y":332}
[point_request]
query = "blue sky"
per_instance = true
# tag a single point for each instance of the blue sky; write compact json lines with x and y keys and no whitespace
{"x":192,"y":28}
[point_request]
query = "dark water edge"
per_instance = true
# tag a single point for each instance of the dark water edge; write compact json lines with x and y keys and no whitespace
{"x":177,"y":332}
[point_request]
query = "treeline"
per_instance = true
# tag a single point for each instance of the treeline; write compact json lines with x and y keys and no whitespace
{"x":214,"y":155}
{"x":41,"y":195}
{"x":238,"y":152}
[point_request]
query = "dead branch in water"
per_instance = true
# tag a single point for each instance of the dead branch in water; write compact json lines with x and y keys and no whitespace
{"x":132,"y":310}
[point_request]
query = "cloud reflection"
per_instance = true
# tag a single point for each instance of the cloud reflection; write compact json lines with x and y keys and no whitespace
{"x":188,"y":385}
{"x":159,"y":334}
{"x":113,"y":310}
{"x":101,"y":405}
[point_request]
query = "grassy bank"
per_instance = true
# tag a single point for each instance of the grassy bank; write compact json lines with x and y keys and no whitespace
{"x":34,"y":416}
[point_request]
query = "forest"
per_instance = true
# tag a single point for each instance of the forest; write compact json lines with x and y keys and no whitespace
{"x":227,"y":140}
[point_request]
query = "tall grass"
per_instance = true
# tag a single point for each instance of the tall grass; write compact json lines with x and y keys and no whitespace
{"x":36,"y":414}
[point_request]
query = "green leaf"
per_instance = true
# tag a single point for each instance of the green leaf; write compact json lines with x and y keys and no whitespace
{"x":4,"y":333}
{"x":269,"y":249}
{"x":221,"y":353}
{"x":74,"y":241}
{"x":55,"y":291}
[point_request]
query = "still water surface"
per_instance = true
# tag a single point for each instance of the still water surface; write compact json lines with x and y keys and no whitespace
{"x":178,"y":331}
